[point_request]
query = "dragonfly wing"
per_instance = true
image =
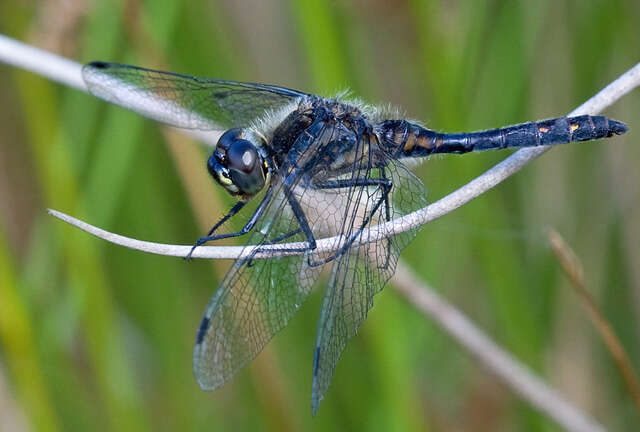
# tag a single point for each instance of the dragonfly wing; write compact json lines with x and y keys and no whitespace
{"x":258,"y":297}
{"x":359,"y":273}
{"x":184,"y":101}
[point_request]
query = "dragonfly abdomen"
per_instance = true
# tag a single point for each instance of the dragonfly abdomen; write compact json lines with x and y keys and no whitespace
{"x":411,"y":140}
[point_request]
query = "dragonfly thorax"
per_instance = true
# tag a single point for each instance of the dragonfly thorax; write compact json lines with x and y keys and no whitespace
{"x":237,"y":163}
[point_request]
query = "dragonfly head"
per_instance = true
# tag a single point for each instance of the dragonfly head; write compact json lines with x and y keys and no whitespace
{"x":237,"y":163}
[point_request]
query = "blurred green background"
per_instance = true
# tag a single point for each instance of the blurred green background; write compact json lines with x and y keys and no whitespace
{"x":98,"y":337}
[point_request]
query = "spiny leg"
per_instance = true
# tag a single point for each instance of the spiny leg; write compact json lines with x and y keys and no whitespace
{"x":387,"y":215}
{"x":245,"y":229}
{"x":234,"y":210}
{"x":353,"y":238}
{"x":273,"y":242}
{"x":303,"y":228}
{"x":297,"y":212}
{"x":384,"y":183}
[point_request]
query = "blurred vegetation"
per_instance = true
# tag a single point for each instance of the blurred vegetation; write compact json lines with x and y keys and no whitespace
{"x":97,"y":337}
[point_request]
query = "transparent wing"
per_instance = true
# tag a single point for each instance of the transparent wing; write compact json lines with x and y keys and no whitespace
{"x":258,"y":297}
{"x":181,"y":100}
{"x":358,"y":273}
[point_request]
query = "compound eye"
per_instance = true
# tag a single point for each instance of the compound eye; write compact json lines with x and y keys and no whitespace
{"x":242,"y":156}
{"x":237,"y":164}
{"x":228,"y":139}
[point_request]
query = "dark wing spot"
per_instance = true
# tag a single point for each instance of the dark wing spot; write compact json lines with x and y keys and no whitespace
{"x":99,"y":65}
{"x":221,"y":95}
{"x":316,"y":360}
{"x":204,"y":326}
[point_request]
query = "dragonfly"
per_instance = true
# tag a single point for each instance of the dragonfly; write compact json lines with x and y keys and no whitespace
{"x":317,"y":168}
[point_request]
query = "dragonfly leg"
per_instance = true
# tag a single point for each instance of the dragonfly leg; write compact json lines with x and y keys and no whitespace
{"x":384,"y":183}
{"x":234,"y":210}
{"x":387,"y":216}
{"x":298,"y":213}
{"x":273,"y":242}
{"x":245,"y":229}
